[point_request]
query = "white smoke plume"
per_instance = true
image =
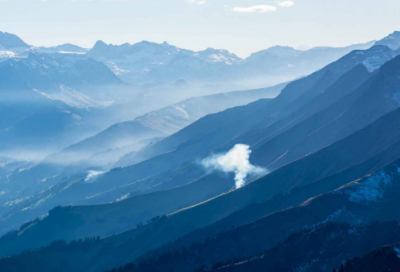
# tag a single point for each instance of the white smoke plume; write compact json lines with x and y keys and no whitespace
{"x":235,"y":161}
{"x":92,"y":174}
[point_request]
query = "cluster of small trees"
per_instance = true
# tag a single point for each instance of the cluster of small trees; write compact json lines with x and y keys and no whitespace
{"x":155,"y":218}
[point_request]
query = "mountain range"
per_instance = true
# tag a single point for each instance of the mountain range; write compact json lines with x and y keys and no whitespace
{"x":110,"y":145}
{"x":302,"y":176}
{"x":42,"y":103}
{"x":149,"y":62}
{"x":146,"y":62}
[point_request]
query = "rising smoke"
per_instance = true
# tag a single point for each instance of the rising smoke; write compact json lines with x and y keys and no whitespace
{"x":235,"y":161}
{"x":92,"y":174}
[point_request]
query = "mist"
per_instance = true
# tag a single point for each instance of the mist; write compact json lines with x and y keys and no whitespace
{"x":237,"y":161}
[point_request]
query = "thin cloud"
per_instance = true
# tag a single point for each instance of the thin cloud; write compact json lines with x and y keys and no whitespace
{"x":258,"y":9}
{"x":285,"y":4}
{"x":70,"y":0}
{"x":197,"y":2}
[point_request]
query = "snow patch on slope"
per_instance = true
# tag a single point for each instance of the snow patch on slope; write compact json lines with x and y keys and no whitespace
{"x":7,"y":54}
{"x":397,"y":250}
{"x":374,"y":63}
{"x":372,"y":189}
{"x":116,"y":70}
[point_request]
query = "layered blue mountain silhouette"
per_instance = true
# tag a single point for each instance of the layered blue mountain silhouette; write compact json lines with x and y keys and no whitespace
{"x":121,"y":184}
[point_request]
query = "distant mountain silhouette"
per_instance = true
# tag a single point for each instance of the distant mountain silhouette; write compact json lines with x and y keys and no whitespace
{"x":11,"y":42}
{"x":136,"y":196}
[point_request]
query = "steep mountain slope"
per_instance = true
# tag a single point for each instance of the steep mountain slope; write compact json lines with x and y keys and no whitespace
{"x":392,"y":41}
{"x":312,"y":168}
{"x":220,"y":132}
{"x":100,"y":187}
{"x":323,"y":248}
{"x":286,"y":60}
{"x":331,"y":160}
{"x":379,"y":96}
{"x":319,"y":136}
{"x":367,"y":148}
{"x":83,"y":155}
{"x":318,"y":248}
{"x":76,"y":222}
{"x":369,"y":101}
{"x":345,"y":85}
{"x":296,"y":196}
{"x":253,"y":113}
{"x":385,"y":259}
{"x":154,"y":124}
{"x":360,"y":202}
{"x":363,"y":201}
{"x":176,"y":117}
{"x":312,"y":85}
{"x":173,"y":118}
{"x":207,"y":134}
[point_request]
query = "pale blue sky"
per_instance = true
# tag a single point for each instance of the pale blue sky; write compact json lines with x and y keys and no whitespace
{"x":241,"y":26}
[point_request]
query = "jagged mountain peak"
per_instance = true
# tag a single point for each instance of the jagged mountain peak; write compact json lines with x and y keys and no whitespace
{"x":100,"y":45}
{"x":126,"y":50}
